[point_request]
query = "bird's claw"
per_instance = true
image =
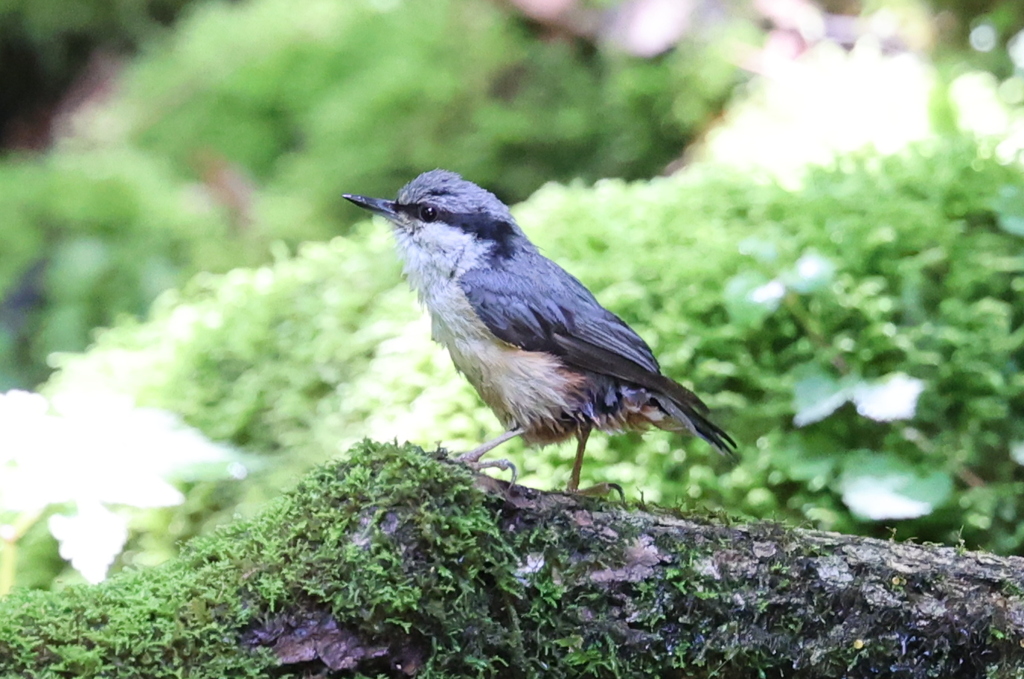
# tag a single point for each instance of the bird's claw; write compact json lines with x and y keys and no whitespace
{"x":503,"y":465}
{"x":601,"y":489}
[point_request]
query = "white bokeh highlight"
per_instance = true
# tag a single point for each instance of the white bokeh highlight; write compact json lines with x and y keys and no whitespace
{"x":878,"y":498}
{"x":97,"y":453}
{"x":894,"y":398}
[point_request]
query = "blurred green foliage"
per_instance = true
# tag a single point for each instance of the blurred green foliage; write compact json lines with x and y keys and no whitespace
{"x":246,"y":123}
{"x":989,"y":27}
{"x":89,"y":236}
{"x":321,"y":97}
{"x":919,"y":273}
{"x":45,"y":46}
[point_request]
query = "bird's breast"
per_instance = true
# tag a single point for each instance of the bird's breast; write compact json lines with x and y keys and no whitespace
{"x":526,"y":388}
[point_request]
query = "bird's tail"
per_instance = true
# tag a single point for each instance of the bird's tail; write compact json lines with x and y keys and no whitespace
{"x":689,"y":413}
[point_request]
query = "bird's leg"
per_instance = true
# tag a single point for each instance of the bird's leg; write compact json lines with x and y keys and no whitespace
{"x":574,"y":479}
{"x":472,"y":458}
{"x":481,"y":450}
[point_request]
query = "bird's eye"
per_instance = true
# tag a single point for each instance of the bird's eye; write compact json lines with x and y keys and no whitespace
{"x":428,"y":213}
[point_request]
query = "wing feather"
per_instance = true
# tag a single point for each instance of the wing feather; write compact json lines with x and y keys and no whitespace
{"x":550,"y":310}
{"x":531,"y":312}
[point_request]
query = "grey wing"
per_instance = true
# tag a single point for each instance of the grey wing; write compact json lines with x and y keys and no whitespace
{"x":549,"y":310}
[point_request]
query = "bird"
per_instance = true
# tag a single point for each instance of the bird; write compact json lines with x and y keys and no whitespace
{"x":547,"y":358}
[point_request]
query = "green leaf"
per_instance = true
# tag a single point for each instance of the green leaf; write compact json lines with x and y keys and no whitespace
{"x":1017,"y":452}
{"x":811,"y":272}
{"x":761,"y":249}
{"x":1009,"y":208}
{"x":808,"y":458}
{"x":816,"y":395}
{"x":880,"y":486}
{"x":750,"y":297}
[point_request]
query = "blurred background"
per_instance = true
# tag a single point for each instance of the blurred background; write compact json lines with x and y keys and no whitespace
{"x":813,"y":211}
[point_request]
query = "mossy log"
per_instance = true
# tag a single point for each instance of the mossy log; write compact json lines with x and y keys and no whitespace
{"x":397,"y":563}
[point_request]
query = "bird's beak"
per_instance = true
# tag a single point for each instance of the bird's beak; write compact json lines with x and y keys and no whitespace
{"x":378,"y":206}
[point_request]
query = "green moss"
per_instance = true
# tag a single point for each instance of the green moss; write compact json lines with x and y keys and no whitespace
{"x":394,"y":557}
{"x":139,"y":624}
{"x":330,"y":546}
{"x":392,"y":544}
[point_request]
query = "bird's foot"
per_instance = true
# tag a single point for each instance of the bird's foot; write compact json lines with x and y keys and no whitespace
{"x":478,"y":452}
{"x":599,"y":489}
{"x":472,"y":458}
{"x":474,"y":463}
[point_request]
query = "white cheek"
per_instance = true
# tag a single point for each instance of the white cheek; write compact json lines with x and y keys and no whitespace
{"x":435,"y":257}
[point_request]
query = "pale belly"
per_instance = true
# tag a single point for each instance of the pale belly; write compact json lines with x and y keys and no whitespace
{"x":523,"y":388}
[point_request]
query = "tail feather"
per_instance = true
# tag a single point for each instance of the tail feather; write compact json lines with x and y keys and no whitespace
{"x":698,"y":424}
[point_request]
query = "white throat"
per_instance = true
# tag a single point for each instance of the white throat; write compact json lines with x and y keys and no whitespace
{"x":434,"y":259}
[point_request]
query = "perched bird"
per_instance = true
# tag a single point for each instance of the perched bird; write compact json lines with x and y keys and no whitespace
{"x":541,"y":351}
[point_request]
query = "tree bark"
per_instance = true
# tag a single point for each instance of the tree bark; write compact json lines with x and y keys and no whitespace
{"x":399,"y":563}
{"x":804,"y":602}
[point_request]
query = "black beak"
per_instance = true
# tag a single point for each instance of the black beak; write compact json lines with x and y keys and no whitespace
{"x":378,"y":206}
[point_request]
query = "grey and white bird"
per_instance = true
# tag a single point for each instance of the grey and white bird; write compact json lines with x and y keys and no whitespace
{"x":541,"y":351}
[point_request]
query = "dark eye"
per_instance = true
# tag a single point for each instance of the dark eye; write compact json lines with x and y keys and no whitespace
{"x":428,"y":213}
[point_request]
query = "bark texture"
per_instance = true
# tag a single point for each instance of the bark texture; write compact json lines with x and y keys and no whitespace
{"x":751,"y":599}
{"x":397,"y":563}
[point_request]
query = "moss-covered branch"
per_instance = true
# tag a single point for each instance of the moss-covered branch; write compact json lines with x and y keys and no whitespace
{"x":396,"y":563}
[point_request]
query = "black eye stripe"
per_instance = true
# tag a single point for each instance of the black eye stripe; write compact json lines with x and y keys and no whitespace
{"x":486,"y":228}
{"x":471,"y":222}
{"x":410,"y":210}
{"x":479,"y":224}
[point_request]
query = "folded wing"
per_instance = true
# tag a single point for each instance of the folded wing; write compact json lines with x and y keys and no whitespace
{"x":553,"y":312}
